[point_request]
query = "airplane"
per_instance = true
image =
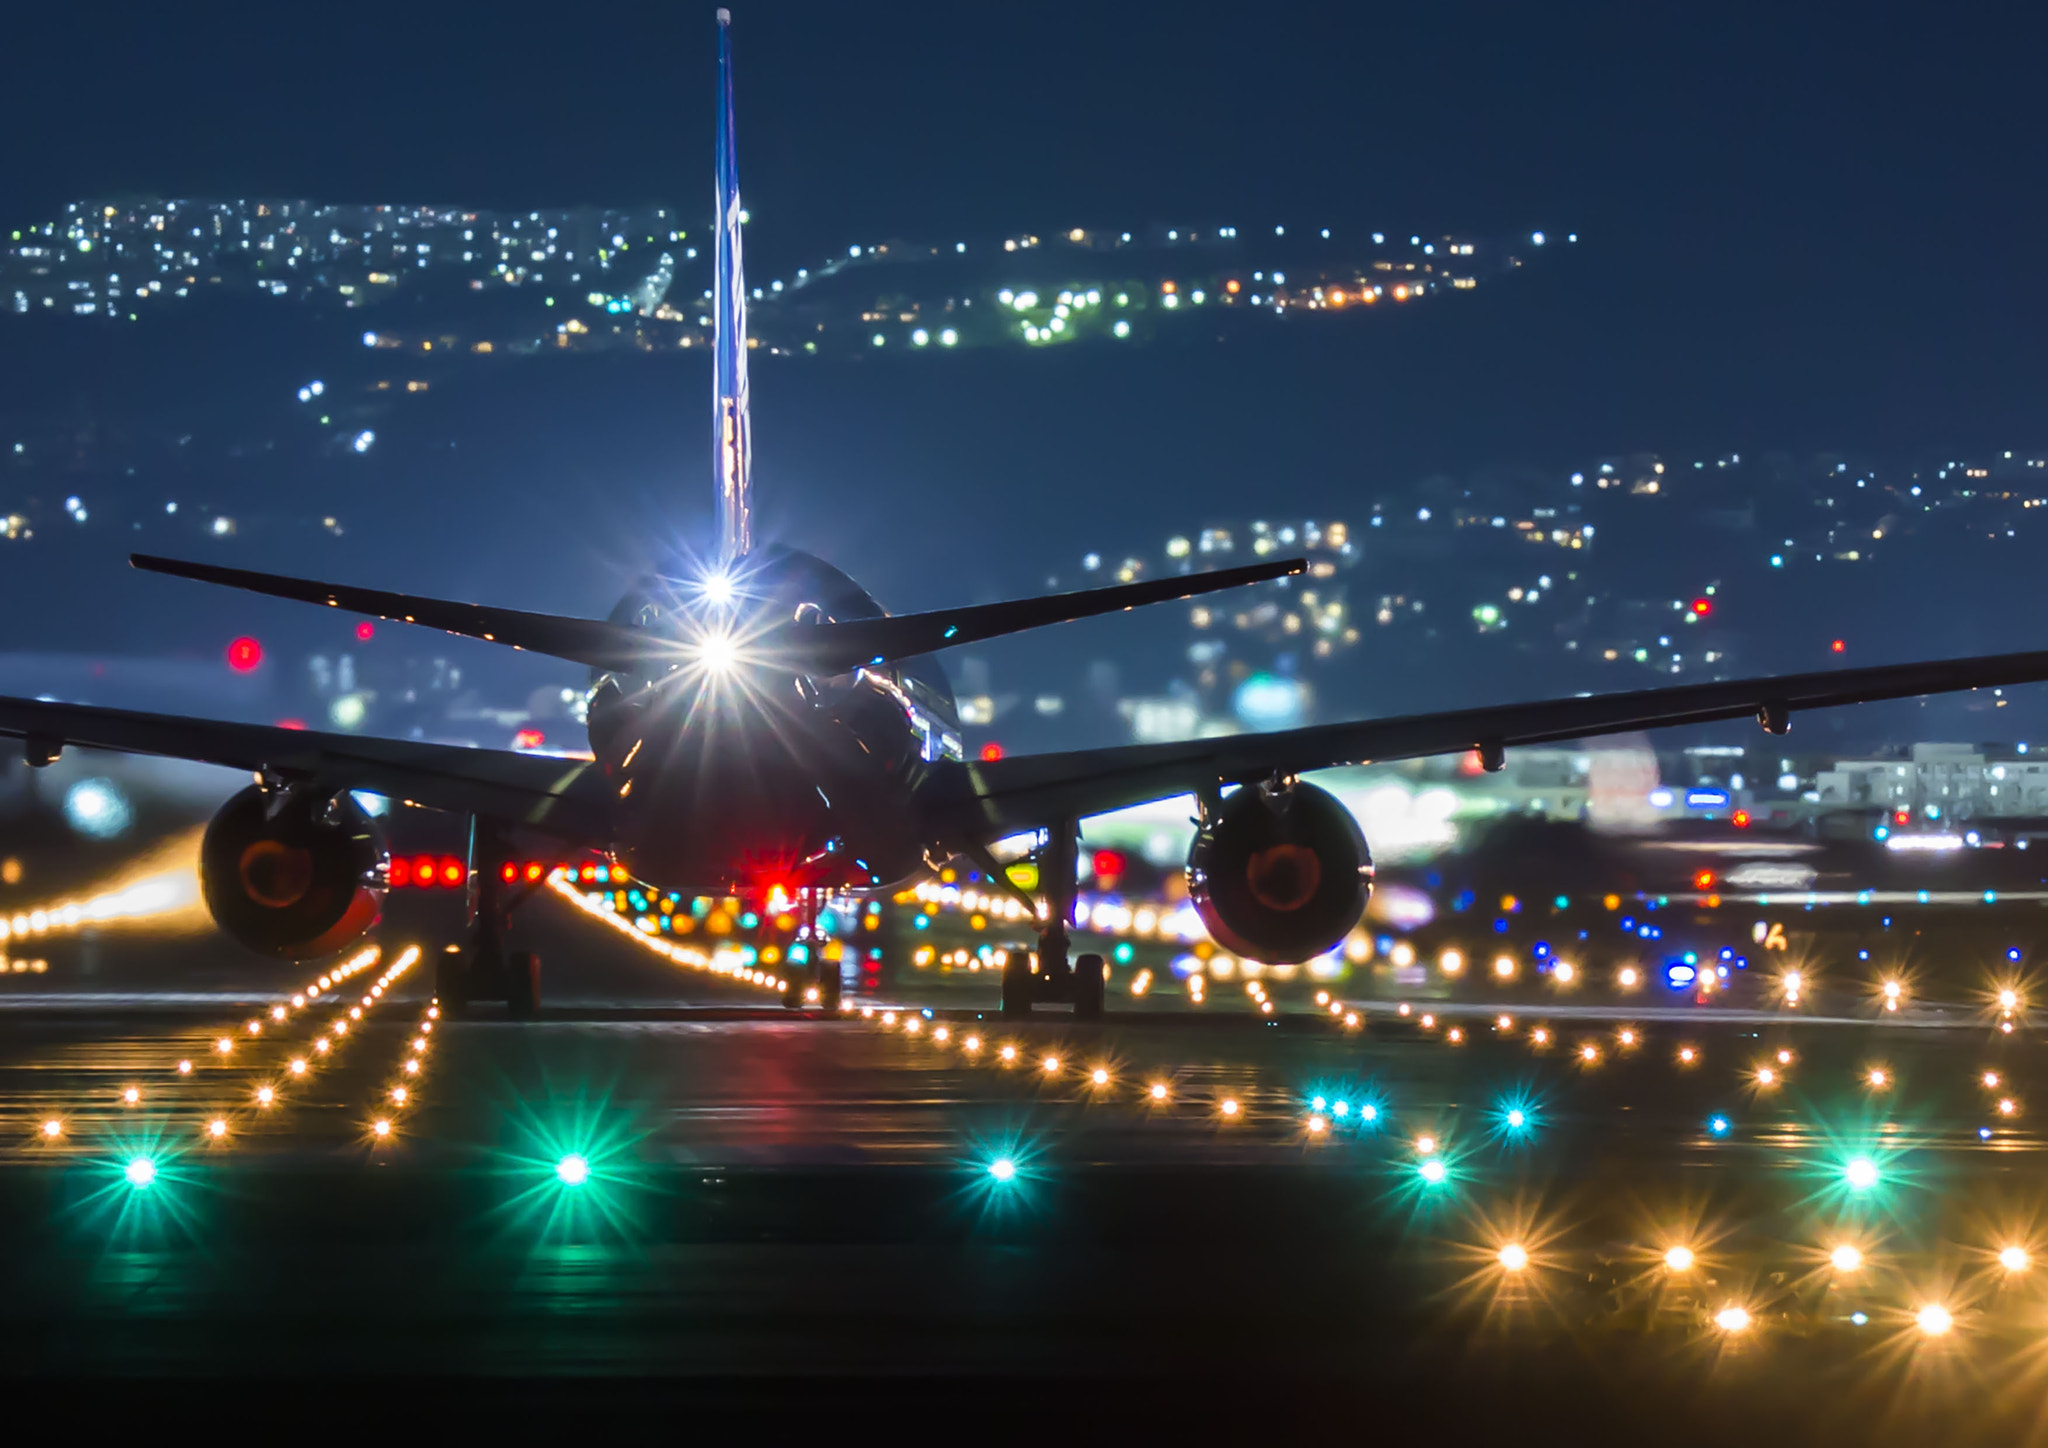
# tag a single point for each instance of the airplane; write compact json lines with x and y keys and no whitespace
{"x":760,"y":724}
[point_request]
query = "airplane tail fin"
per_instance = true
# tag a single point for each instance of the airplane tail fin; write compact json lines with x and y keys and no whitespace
{"x":732,"y":435}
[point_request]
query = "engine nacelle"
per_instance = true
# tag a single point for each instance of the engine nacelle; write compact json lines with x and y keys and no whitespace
{"x":296,"y":876}
{"x":1280,"y":876}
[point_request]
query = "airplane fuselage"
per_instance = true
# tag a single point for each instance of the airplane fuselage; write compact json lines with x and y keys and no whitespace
{"x":736,"y":775}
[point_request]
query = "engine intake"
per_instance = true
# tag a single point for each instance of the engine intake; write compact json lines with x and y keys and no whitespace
{"x":1280,"y":876}
{"x":294,"y":877}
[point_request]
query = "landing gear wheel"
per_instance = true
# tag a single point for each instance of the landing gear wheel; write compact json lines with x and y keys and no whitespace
{"x":522,"y":983}
{"x":1090,"y":976}
{"x":451,"y":983}
{"x":828,"y":989}
{"x":1018,"y":984}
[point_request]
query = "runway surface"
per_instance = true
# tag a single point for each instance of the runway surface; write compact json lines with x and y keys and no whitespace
{"x":884,"y":1198}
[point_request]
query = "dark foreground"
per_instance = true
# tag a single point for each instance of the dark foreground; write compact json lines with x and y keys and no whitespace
{"x":793,"y":1217}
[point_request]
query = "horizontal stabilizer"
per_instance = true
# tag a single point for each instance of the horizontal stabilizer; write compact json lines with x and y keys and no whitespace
{"x":817,"y":648}
{"x":833,"y":648}
{"x":590,"y":641}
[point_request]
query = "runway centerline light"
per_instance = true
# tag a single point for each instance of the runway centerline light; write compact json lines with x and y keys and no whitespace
{"x":572,"y":1170}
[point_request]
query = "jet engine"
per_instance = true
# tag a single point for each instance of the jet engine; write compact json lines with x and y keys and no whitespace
{"x":1279,"y":874}
{"x":292,"y":873}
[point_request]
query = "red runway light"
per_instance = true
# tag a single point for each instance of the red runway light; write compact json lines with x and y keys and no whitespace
{"x":401,"y":873}
{"x":991,"y":752}
{"x":291,"y":723}
{"x":244,"y":654}
{"x":453,"y":871}
{"x":423,"y":871}
{"x":1839,"y":646}
{"x":508,"y":872}
{"x":1702,"y":606}
{"x":529,"y":739}
{"x":1704,"y":880}
{"x":1740,"y":819}
{"x":365,"y":631}
{"x":535,"y":869}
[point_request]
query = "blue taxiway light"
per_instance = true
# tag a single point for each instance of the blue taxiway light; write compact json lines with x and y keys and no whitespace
{"x":1718,"y":1126}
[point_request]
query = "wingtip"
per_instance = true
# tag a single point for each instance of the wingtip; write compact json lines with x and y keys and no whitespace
{"x":1296,"y":566}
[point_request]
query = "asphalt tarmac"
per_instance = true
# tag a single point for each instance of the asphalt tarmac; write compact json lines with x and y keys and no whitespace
{"x":667,"y":1188}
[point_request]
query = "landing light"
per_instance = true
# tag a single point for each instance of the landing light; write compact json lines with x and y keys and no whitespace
{"x":716,"y":653}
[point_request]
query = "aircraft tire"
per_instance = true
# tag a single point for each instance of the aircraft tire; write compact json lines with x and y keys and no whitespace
{"x":451,"y":984}
{"x":1091,"y":975}
{"x":1018,"y":984}
{"x":522,"y":983}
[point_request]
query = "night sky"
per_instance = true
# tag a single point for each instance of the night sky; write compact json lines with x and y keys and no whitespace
{"x":1803,"y":228}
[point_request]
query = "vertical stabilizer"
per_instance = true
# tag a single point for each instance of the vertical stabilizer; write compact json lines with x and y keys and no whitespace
{"x":733,"y":434}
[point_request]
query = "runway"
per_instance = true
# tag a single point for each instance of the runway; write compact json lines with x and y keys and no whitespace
{"x":1568,"y":1198}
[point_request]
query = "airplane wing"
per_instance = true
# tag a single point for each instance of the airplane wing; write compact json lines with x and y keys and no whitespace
{"x":565,"y":797}
{"x":1032,"y":791}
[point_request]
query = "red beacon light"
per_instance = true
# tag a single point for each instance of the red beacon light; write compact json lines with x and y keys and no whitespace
{"x":399,"y":875}
{"x":453,"y":871}
{"x":991,"y":752}
{"x":1702,"y":606}
{"x":244,"y":654}
{"x":365,"y":631}
{"x":1839,"y":646}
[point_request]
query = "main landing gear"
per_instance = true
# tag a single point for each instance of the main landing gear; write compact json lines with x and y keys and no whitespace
{"x":482,"y":969}
{"x":1050,"y":977}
